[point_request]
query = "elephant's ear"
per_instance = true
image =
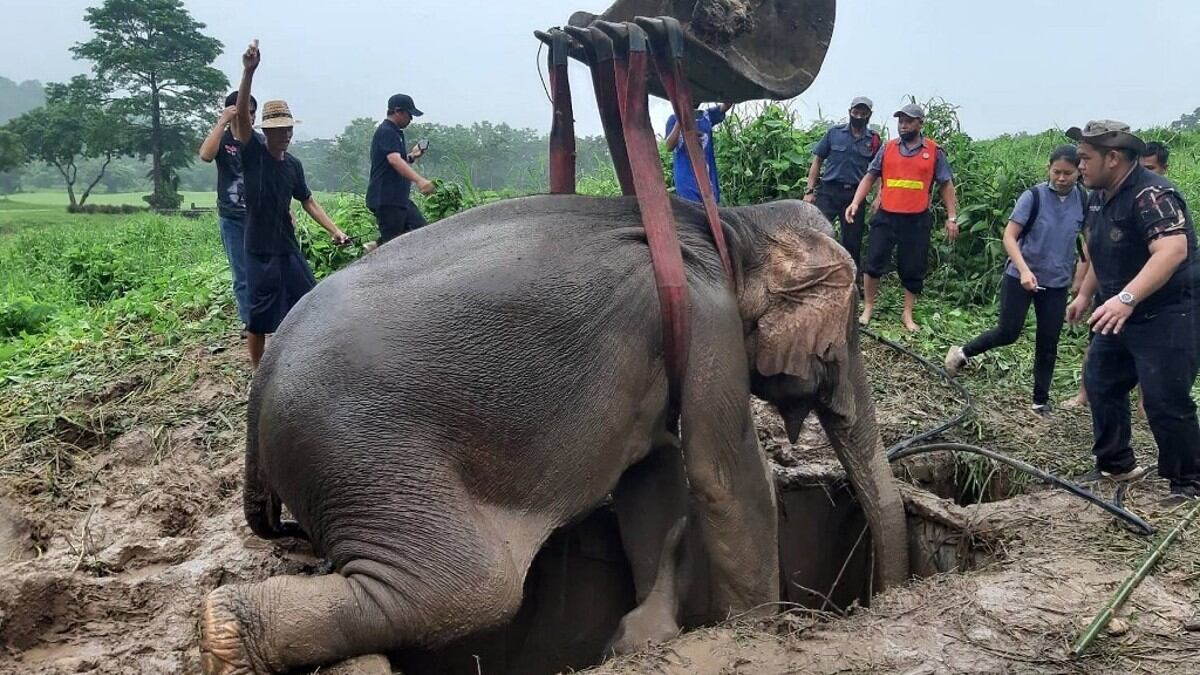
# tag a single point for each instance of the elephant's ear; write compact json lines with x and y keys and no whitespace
{"x":809,"y":280}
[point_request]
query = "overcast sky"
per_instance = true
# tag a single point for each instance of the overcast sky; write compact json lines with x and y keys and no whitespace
{"x":1012,"y":66}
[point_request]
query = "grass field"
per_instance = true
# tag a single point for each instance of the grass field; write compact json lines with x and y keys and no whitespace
{"x":59,"y":198}
{"x":51,"y":199}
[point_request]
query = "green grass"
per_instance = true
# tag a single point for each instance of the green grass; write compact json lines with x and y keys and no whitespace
{"x":59,"y":198}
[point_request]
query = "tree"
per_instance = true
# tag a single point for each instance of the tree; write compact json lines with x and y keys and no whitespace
{"x":76,"y":122}
{"x":351,"y":153}
{"x":155,"y":53}
{"x":12,"y":154}
{"x":1187,"y":120}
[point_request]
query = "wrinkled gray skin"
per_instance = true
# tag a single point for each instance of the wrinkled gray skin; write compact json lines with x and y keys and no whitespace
{"x":431,"y":413}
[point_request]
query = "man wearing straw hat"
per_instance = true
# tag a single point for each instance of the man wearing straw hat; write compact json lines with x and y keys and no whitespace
{"x":1142,"y":247}
{"x":277,"y":275}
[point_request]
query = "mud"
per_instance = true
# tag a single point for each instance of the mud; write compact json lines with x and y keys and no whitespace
{"x":120,"y":512}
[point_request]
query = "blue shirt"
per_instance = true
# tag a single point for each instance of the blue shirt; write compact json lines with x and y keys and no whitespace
{"x":941,"y":170}
{"x":846,"y":156}
{"x":685,"y":181}
{"x":1048,"y":244}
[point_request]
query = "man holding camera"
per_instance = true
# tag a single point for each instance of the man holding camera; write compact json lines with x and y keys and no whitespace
{"x":392,"y":173}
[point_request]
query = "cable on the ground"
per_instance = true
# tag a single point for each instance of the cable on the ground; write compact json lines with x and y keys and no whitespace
{"x":908,"y":447}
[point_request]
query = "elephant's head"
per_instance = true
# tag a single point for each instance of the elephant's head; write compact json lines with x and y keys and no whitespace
{"x":797,"y":296}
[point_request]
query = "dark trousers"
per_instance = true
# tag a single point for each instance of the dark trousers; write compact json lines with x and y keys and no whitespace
{"x":908,"y":235}
{"x":832,"y":200}
{"x":1050,"y":308}
{"x":1160,"y":353}
{"x":394,"y":221}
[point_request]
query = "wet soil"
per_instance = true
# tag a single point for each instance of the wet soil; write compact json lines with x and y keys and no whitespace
{"x":121,"y":509}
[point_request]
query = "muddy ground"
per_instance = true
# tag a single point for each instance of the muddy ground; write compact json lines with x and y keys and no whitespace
{"x":120,"y":508}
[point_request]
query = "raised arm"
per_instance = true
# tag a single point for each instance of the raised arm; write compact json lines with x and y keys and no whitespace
{"x":212,"y":142}
{"x":243,"y":126}
{"x":673,"y":133}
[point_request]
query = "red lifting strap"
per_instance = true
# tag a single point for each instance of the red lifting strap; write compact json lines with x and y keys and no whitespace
{"x":598,"y":50}
{"x":654,"y":204}
{"x":562,"y":128}
{"x":668,"y":62}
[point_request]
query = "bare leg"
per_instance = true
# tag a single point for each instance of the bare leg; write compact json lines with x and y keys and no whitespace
{"x":1080,"y":399}
{"x":256,"y":344}
{"x":910,"y":301}
{"x":870,"y":290}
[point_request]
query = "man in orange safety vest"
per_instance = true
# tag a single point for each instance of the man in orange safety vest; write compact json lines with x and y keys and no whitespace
{"x":909,"y":166}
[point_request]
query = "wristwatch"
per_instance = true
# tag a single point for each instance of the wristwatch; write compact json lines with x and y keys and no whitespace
{"x":1126,"y":298}
{"x":809,"y":191}
{"x":953,"y":219}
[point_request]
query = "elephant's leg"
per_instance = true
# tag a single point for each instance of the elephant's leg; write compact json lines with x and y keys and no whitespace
{"x":290,"y":622}
{"x":651,"y":502}
{"x":730,"y":480}
{"x":260,"y":504}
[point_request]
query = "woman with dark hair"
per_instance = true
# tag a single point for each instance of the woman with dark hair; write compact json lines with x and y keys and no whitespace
{"x":1040,"y":240}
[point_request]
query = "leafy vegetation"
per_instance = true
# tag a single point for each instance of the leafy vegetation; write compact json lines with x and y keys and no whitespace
{"x":70,"y":283}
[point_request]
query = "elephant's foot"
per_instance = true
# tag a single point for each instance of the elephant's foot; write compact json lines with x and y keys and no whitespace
{"x":222,"y":642}
{"x":655,"y":619}
{"x":645,"y":625}
{"x":375,"y":664}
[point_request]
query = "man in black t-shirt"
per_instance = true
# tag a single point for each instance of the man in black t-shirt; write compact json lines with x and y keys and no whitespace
{"x":276,"y":272}
{"x":1142,"y":245}
{"x":392,"y":174}
{"x":220,"y":146}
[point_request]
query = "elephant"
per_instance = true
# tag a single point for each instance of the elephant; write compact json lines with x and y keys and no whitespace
{"x":431,"y":413}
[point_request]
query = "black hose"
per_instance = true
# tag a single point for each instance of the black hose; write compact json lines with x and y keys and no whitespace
{"x":1048,"y":478}
{"x":908,"y":446}
{"x":968,"y":404}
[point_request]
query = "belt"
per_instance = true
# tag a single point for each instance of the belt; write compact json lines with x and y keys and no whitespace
{"x":844,"y":186}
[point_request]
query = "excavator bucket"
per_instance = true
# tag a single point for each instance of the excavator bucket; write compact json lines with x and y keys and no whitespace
{"x":738,"y":50}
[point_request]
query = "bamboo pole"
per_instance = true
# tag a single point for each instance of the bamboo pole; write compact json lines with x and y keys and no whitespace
{"x":1106,"y":614}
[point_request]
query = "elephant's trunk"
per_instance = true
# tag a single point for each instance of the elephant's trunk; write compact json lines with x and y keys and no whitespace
{"x":855,"y":439}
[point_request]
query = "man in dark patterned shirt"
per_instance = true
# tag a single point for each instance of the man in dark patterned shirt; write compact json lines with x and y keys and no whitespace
{"x":1142,"y":246}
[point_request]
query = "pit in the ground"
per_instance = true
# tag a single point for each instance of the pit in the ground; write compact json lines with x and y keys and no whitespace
{"x":964,"y":478}
{"x":580,"y":585}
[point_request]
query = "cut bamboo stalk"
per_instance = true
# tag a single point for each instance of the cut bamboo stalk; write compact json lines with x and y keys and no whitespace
{"x":1109,"y":611}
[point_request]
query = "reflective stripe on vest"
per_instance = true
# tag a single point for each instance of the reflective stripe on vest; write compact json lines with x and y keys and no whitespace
{"x":907,"y":181}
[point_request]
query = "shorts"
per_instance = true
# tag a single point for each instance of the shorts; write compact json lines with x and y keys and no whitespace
{"x":275,"y":284}
{"x":906,"y":234}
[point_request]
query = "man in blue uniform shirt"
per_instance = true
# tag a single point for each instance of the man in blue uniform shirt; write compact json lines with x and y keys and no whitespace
{"x":845,"y":152}
{"x":685,"y":180}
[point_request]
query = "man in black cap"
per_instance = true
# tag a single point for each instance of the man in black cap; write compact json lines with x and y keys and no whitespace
{"x":845,"y":152}
{"x":909,"y":167}
{"x":1141,"y":246}
{"x":392,"y":174}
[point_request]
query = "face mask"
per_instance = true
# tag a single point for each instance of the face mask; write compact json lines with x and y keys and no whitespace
{"x":908,"y":136}
{"x":858,"y":122}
